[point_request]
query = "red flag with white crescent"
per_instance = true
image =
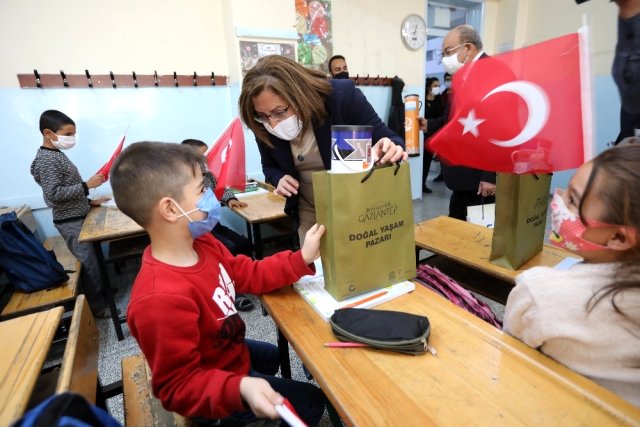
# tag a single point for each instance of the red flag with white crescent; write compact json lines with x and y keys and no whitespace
{"x":226,"y":159}
{"x":523,"y":111}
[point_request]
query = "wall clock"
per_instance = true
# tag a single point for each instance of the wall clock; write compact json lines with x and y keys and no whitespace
{"x":413,"y":32}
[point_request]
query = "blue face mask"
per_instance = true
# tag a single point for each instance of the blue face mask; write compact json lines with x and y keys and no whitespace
{"x":208,"y":203}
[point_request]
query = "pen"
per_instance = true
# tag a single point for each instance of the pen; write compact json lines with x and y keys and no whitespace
{"x":344,"y":344}
{"x":367,"y":299}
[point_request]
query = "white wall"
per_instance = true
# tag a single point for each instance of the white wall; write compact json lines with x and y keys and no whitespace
{"x":524,"y":22}
{"x":119,"y":36}
{"x":367,"y":34}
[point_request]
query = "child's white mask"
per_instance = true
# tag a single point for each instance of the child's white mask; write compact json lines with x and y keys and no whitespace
{"x":64,"y":142}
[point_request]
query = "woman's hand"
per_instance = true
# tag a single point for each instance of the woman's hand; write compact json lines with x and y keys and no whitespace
{"x":387,"y":151}
{"x":287,"y":186}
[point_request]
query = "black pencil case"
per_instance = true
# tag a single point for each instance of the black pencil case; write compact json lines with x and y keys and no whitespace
{"x":383,"y":329}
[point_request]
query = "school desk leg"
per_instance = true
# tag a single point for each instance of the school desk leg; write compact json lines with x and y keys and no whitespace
{"x":283,"y":355}
{"x":257,"y":240}
{"x":107,"y":292}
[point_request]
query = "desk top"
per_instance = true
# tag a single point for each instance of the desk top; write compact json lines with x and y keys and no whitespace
{"x":25,"y":343}
{"x":480,"y":376}
{"x":470,"y":244}
{"x":263,"y":207}
{"x":107,"y":223}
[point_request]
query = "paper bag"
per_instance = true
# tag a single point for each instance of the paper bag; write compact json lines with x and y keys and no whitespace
{"x":521,"y":217}
{"x":369,"y":238}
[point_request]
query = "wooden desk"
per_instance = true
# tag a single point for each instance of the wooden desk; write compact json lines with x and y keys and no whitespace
{"x":25,"y":343}
{"x":262,"y":208}
{"x":470,"y":244}
{"x":480,"y":376}
{"x":104,"y":224}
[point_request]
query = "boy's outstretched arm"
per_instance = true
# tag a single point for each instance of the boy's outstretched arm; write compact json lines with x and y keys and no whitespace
{"x":311,"y":247}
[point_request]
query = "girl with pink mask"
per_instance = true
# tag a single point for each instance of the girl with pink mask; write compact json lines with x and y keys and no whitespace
{"x":587,"y":317}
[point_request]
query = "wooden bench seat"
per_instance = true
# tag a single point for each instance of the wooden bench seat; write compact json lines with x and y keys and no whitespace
{"x":141,"y":408}
{"x":22,"y":303}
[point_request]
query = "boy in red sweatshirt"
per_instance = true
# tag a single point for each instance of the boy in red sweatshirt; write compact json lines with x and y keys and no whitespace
{"x":182,"y":310}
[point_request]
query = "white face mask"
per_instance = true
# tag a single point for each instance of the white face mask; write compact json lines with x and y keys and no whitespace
{"x":447,"y":84}
{"x":451,"y":63}
{"x":288,"y":129}
{"x":64,"y":142}
{"x":436,"y":90}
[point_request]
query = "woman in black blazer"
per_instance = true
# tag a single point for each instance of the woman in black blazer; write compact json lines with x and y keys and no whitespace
{"x":290,"y":110}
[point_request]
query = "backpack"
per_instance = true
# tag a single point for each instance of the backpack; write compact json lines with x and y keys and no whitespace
{"x":66,"y":410}
{"x":444,"y":285}
{"x":27,"y":264}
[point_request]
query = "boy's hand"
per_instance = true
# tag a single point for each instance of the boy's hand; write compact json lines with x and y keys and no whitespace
{"x":95,"y":181}
{"x":311,"y":247}
{"x":260,"y":397}
{"x":99,"y":201}
{"x":235,"y":203}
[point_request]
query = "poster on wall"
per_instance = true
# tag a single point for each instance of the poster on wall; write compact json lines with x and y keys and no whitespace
{"x":315,"y":41}
{"x":251,"y":51}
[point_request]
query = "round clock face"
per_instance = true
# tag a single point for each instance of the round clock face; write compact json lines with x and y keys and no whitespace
{"x":413,"y":32}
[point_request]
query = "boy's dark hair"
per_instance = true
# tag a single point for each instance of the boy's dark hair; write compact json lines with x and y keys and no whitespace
{"x":196,"y":143}
{"x":617,"y":172}
{"x":145,"y":172}
{"x":54,"y":120}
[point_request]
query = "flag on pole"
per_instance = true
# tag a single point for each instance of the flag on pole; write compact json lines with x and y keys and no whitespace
{"x":523,"y":111}
{"x":104,"y":170}
{"x":226,"y":160}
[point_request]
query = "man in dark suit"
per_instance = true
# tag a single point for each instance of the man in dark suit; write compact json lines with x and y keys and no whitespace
{"x":462,"y":45}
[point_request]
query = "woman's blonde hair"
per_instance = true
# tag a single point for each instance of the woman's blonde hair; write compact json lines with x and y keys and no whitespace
{"x":302,"y":89}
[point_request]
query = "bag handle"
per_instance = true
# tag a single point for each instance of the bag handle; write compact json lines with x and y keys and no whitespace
{"x":377,"y":163}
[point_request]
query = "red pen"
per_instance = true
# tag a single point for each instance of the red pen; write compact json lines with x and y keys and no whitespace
{"x":344,"y":344}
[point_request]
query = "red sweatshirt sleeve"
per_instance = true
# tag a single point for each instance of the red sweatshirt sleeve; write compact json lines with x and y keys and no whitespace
{"x":167,"y":330}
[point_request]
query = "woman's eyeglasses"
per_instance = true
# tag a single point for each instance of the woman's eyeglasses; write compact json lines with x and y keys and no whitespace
{"x":278,"y":115}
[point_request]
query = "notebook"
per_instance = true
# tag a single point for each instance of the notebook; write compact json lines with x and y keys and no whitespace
{"x":311,"y":288}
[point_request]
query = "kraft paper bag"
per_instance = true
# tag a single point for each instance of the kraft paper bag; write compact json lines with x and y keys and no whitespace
{"x":369,"y":239}
{"x":521,"y":217}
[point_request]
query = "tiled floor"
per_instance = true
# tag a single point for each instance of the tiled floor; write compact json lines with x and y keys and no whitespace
{"x":258,"y":326}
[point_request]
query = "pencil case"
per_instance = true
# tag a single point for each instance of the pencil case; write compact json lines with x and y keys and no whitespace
{"x":382,"y":329}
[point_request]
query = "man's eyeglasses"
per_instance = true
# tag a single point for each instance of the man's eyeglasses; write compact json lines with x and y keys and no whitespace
{"x":450,"y":50}
{"x":278,"y":115}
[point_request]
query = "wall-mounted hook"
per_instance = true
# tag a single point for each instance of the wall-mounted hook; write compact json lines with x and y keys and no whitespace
{"x":37,"y":76}
{"x":155,"y":77}
{"x":377,"y":80}
{"x":213,"y":79}
{"x":356,"y":80}
{"x":135,"y":79}
{"x":175,"y":78}
{"x":113,"y":79}
{"x":195,"y":79}
{"x":64,"y":79}
{"x":366,"y":80}
{"x":89,"y":82}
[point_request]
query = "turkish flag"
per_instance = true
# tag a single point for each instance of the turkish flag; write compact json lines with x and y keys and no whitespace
{"x":226,"y":159}
{"x":104,"y":170}
{"x":523,"y":111}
